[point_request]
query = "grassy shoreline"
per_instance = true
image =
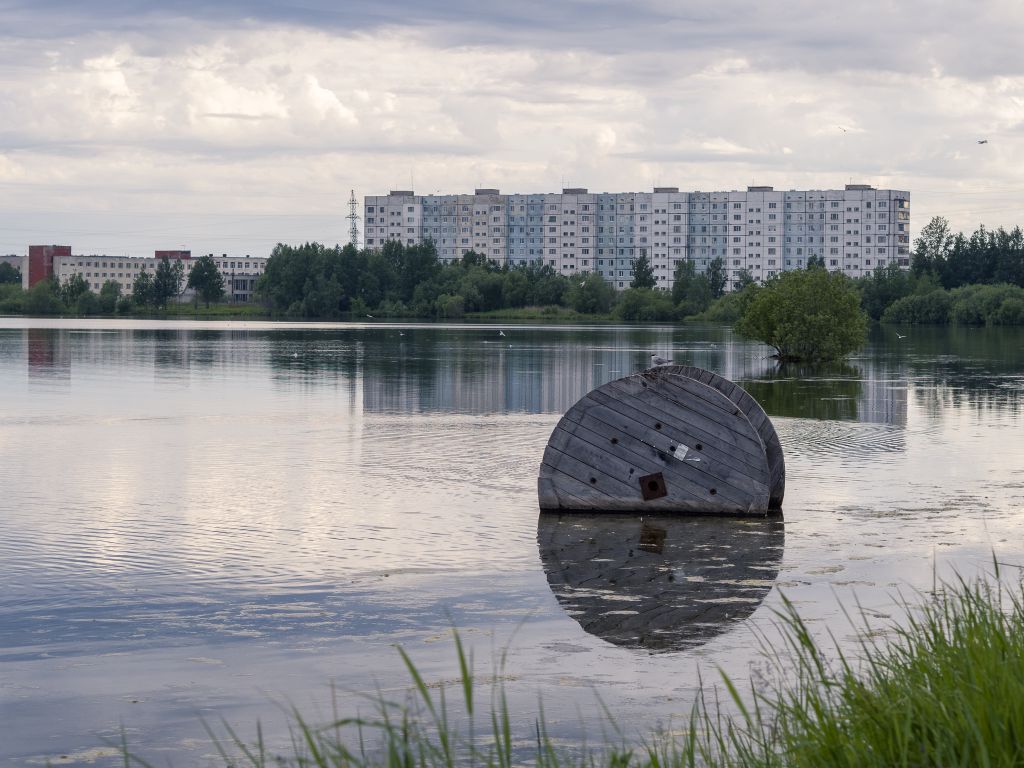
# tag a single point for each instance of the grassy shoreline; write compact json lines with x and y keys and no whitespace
{"x":947,"y":688}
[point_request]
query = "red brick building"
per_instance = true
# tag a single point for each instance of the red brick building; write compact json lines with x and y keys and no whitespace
{"x":40,"y":262}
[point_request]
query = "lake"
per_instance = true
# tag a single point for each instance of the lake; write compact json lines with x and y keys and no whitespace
{"x":219,"y":521}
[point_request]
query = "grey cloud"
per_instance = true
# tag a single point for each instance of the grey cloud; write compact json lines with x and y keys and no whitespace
{"x":973,"y":39}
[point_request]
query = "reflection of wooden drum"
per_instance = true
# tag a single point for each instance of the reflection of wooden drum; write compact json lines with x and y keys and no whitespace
{"x":659,"y":583}
{"x":669,"y":439}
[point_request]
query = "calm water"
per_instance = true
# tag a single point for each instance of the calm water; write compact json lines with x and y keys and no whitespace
{"x":222,"y":520}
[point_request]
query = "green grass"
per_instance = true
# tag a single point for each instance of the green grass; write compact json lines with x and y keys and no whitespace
{"x":215,"y":311}
{"x":946,"y":688}
{"x":547,"y":314}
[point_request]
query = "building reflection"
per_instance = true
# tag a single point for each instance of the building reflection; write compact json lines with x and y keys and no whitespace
{"x":659,"y":583}
{"x":47,"y":354}
{"x":546,"y":370}
{"x":542,"y":373}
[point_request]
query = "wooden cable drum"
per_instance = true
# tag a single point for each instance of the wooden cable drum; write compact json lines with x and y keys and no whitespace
{"x":663,"y":440}
{"x":758,"y":419}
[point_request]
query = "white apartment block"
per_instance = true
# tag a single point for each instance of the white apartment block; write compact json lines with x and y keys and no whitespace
{"x":240,"y":274}
{"x":764,"y":231}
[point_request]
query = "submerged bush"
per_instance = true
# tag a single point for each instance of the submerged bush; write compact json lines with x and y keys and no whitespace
{"x":807,"y":315}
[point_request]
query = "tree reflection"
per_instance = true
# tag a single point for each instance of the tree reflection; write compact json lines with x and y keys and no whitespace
{"x":828,"y":392}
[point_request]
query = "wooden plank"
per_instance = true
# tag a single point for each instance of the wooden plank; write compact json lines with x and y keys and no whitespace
{"x":570,"y":493}
{"x":692,"y":467}
{"x":696,"y":388}
{"x":663,"y":408}
{"x":660,"y":409}
{"x":681,"y":477}
{"x":693,"y":396}
{"x":566,"y":471}
{"x":753,"y":465}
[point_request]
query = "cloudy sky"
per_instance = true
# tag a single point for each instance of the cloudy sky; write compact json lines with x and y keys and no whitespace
{"x":131,"y":125}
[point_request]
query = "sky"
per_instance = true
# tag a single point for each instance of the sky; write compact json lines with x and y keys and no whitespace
{"x":226,"y":127}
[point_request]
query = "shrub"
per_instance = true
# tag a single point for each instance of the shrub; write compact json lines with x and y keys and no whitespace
{"x":930,"y":308}
{"x":450,"y":306}
{"x":645,"y":305}
{"x":731,"y":306}
{"x":806,"y":315}
{"x":42,"y":299}
{"x":982,"y":304}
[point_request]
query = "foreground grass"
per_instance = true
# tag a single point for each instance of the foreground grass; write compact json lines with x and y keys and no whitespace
{"x":945,"y":689}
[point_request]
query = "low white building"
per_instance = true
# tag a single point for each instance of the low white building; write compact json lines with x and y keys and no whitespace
{"x":240,"y":272}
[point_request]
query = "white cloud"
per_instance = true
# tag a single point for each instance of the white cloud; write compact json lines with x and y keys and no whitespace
{"x":274,"y":121}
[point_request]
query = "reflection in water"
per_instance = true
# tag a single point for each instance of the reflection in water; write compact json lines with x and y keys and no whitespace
{"x":47,"y":354}
{"x":964,"y":366}
{"x":834,"y":392}
{"x":661,"y":583}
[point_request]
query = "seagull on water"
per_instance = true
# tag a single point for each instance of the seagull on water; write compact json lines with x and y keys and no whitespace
{"x":501,"y":333}
{"x":658,"y":360}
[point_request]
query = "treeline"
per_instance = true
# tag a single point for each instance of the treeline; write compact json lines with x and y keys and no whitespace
{"x":73,"y":297}
{"x":315,"y":281}
{"x":954,"y":278}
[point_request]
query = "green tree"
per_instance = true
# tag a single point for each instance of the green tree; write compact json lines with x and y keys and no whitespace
{"x":698,"y":297}
{"x":515,"y":291}
{"x":691,"y":293}
{"x":684,"y":275}
{"x":87,"y":303}
{"x":167,"y":281}
{"x":72,"y":288}
{"x":9,"y":274}
{"x":643,"y":273}
{"x":142,"y":289}
{"x":206,"y":280}
{"x":110,"y":293}
{"x":815,"y":262}
{"x":743,"y":279}
{"x":717,"y":277}
{"x":590,"y":294}
{"x":731,"y":307}
{"x":927,"y":308}
{"x":645,"y":305}
{"x":882,"y":287}
{"x":806,"y":315}
{"x":43,"y":298}
{"x":932,"y":247}
{"x":450,"y":306}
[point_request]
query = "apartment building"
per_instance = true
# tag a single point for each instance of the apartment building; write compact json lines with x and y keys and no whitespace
{"x":761,"y":230}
